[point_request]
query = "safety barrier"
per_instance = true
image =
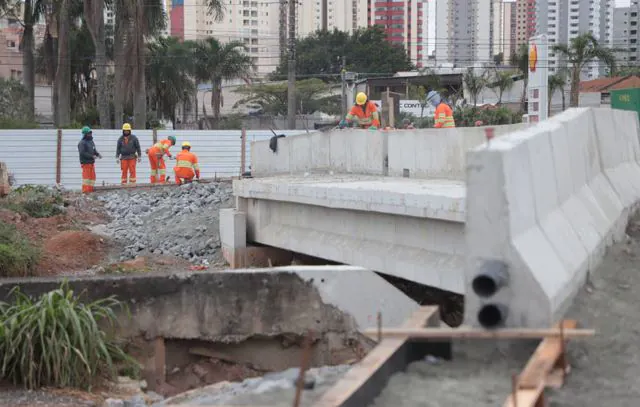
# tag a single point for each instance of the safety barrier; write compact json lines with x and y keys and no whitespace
{"x":421,"y":153}
{"x":542,"y":206}
{"x":50,"y":157}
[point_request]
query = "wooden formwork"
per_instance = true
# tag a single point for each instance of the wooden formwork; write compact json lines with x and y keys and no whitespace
{"x":421,"y":335}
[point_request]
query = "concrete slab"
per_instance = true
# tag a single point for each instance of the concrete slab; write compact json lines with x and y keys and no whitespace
{"x":436,"y":199}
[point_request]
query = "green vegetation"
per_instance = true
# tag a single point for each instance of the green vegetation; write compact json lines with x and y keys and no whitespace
{"x":18,"y":257}
{"x":14,"y":109}
{"x":468,"y":116}
{"x":56,"y":340}
{"x":35,"y":200}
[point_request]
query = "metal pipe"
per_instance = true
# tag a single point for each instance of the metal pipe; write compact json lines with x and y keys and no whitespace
{"x":492,"y":315}
{"x":492,"y":276}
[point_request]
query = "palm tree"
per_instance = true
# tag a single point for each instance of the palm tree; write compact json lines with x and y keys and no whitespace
{"x":136,"y":20}
{"x":94,"y":17}
{"x":502,"y":82}
{"x":556,"y":82}
{"x":520,"y":60}
{"x":474,"y":84}
{"x":216,"y":62}
{"x":581,"y":51}
{"x":169,"y":75}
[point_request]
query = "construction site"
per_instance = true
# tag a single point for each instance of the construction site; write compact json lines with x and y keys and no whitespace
{"x":485,"y":266}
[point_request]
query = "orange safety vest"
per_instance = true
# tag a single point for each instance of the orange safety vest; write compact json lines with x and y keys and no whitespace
{"x":443,"y":117}
{"x":187,"y":165}
{"x":161,"y":148}
{"x":366,"y":115}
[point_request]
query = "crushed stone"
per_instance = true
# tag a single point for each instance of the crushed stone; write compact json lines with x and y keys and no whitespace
{"x":181,"y":221}
{"x":273,"y":389}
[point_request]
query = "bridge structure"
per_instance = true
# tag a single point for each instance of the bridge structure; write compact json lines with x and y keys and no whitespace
{"x":514,"y":223}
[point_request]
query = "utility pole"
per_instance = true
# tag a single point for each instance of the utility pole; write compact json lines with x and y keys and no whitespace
{"x":291,"y":88}
{"x":283,"y":32}
{"x":343,"y":73}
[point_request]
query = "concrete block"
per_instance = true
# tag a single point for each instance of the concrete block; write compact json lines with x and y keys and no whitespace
{"x":265,"y":162}
{"x":233,"y":228}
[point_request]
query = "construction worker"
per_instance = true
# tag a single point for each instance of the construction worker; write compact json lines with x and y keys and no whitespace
{"x":156,"y":159}
{"x":127,"y":153}
{"x":88,"y":153}
{"x":186,"y":165}
{"x":364,"y":113}
{"x":443,"y":117}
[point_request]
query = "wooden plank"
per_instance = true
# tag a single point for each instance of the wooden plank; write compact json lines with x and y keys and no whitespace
{"x":444,"y":333}
{"x":358,"y":375}
{"x":544,"y":359}
{"x":526,"y":397}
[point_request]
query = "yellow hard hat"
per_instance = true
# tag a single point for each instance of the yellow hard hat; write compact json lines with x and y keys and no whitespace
{"x":186,"y":144}
{"x":361,"y":98}
{"x":126,"y":126}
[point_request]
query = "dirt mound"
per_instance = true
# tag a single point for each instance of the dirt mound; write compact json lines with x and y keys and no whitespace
{"x":72,"y":250}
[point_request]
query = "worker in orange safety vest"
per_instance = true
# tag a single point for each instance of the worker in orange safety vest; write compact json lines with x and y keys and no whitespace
{"x":186,"y":165}
{"x":364,"y":113}
{"x":443,"y":117}
{"x":156,"y":159}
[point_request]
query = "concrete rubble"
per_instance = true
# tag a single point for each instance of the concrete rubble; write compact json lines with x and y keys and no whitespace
{"x":180,"y":221}
{"x":274,"y":389}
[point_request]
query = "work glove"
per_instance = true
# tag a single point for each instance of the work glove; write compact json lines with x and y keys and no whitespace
{"x":373,"y":128}
{"x":139,"y":159}
{"x":343,"y":123}
{"x":117,"y":160}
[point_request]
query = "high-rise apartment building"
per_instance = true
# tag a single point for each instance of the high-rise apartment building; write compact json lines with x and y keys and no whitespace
{"x":626,"y":35}
{"x":403,"y":21}
{"x":509,"y":29}
{"x":343,"y":15}
{"x":525,"y":21}
{"x":252,"y":22}
{"x":563,"y":20}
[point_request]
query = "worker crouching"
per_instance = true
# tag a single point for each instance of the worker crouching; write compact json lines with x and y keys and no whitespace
{"x":364,"y":113}
{"x":128,"y":154}
{"x":186,"y":165}
{"x":156,"y":159}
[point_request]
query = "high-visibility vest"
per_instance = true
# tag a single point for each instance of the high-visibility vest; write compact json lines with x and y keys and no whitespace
{"x":443,"y":117}
{"x":366,"y":115}
{"x":186,"y":159}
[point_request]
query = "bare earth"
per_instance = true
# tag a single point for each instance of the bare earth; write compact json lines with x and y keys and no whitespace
{"x":606,"y":368}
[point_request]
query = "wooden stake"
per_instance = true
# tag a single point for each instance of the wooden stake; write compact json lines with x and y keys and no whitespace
{"x":379,"y":326}
{"x":304,"y":365}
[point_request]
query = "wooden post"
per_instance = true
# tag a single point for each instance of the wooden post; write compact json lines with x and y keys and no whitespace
{"x":159,"y":354}
{"x":243,"y":151}
{"x":155,"y":136}
{"x":59,"y":157}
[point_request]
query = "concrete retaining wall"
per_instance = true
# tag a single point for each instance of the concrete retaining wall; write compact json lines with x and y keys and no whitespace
{"x":426,"y":153}
{"x":546,"y":202}
{"x":344,"y":151}
{"x":437,"y":153}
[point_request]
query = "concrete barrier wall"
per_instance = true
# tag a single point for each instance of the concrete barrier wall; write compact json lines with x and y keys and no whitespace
{"x":437,"y":153}
{"x":343,"y":151}
{"x":545,"y":202}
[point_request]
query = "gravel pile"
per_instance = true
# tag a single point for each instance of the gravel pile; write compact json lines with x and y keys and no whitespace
{"x":181,"y":221}
{"x":273,"y":389}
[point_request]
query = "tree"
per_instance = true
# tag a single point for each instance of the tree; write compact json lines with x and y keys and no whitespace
{"x":32,"y":11}
{"x":502,"y":82}
{"x":581,"y":51}
{"x":272,"y":97}
{"x":474,"y":84}
{"x":556,"y":82}
{"x":215,"y":62}
{"x":135,"y":21}
{"x":14,"y":101}
{"x":169,"y":75}
{"x":520,"y":61}
{"x":94,"y":17}
{"x":367,"y":51}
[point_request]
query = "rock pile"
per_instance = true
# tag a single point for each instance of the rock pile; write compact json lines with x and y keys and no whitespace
{"x":181,"y":221}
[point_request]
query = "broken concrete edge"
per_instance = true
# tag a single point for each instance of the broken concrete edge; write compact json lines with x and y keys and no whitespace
{"x":368,"y":378}
{"x":229,"y":306}
{"x":547,"y":201}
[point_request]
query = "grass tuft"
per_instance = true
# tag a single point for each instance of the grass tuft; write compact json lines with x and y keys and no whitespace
{"x":56,"y":340}
{"x":35,"y":200}
{"x":18,"y":257}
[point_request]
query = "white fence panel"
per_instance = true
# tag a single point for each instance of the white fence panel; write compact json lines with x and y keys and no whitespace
{"x":30,"y":155}
{"x":107,"y":170}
